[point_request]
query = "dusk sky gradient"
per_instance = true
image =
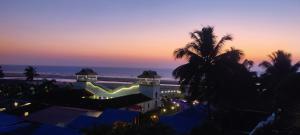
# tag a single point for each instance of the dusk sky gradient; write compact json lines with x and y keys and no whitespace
{"x":139,"y":33}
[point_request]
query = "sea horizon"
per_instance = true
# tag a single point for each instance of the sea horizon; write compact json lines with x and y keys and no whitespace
{"x":105,"y":71}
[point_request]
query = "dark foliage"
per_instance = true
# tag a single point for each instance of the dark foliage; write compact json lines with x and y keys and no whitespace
{"x":1,"y":72}
{"x":30,"y":72}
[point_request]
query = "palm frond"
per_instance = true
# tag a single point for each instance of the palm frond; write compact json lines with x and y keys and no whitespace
{"x":233,"y":55}
{"x":184,"y":53}
{"x":220,"y":44}
{"x":248,"y":63}
{"x":296,"y":67}
{"x":184,"y":73}
{"x":265,"y":64}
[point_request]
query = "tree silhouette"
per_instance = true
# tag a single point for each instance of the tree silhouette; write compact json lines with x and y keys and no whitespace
{"x":277,"y":70}
{"x":280,"y":64}
{"x":47,"y":85}
{"x":206,"y":64}
{"x":1,"y":72}
{"x":30,"y":73}
{"x":281,"y":83}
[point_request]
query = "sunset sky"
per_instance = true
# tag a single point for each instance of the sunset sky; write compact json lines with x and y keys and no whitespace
{"x":139,"y":33}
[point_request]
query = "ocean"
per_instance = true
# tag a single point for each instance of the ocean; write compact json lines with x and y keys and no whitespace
{"x":125,"y":72}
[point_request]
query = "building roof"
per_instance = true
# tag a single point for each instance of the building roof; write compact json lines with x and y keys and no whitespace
{"x":57,"y":115}
{"x":149,"y":74}
{"x":73,"y":98}
{"x":108,"y":117}
{"x":45,"y":129}
{"x":86,"y":71}
{"x":6,"y":119}
{"x":15,"y":129}
{"x":191,"y":118}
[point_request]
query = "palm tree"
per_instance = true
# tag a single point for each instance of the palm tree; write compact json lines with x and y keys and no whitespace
{"x":30,"y":73}
{"x":277,"y":71}
{"x":281,"y":81}
{"x":280,"y":64}
{"x":207,"y":66}
{"x":202,"y":54}
{"x":1,"y":72}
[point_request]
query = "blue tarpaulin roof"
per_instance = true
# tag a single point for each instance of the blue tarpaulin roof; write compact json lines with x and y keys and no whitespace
{"x":10,"y":124}
{"x":46,"y":129}
{"x":186,"y":120}
{"x":84,"y":122}
{"x":108,"y":117}
{"x":11,"y":129}
{"x":6,"y":119}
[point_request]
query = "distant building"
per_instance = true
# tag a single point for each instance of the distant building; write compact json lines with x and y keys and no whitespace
{"x":148,"y":84}
{"x":86,"y":75}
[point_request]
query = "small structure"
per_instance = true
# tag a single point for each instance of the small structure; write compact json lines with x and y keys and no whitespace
{"x":86,"y":75}
{"x":149,"y":82}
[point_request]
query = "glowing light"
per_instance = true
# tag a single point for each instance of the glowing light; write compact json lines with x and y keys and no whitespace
{"x":154,"y":116}
{"x":195,"y":102}
{"x":172,"y":107}
{"x":26,"y":114}
{"x":27,"y":104}
{"x":164,"y":110}
{"x":114,"y":91}
{"x":2,"y":109}
{"x":16,"y":104}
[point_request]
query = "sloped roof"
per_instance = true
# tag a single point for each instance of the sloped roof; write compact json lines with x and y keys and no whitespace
{"x":73,"y":98}
{"x":57,"y":114}
{"x":86,"y":71}
{"x":149,"y":74}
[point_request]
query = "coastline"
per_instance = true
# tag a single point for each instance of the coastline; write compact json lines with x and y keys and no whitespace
{"x":70,"y":78}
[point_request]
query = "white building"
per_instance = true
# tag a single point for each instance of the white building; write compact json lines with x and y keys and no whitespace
{"x":148,"y":84}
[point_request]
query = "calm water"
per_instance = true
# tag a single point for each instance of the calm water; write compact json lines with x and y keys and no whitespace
{"x":102,"y":71}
